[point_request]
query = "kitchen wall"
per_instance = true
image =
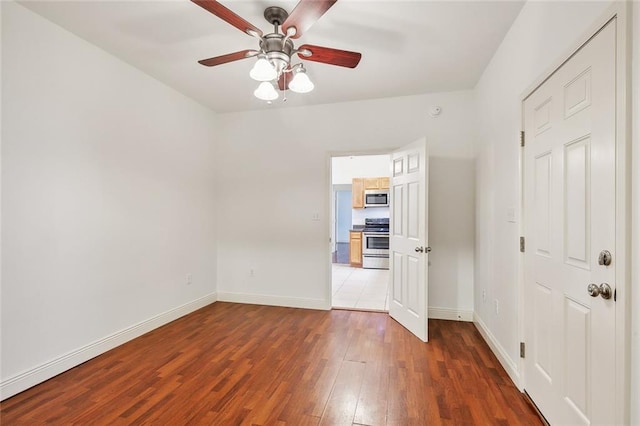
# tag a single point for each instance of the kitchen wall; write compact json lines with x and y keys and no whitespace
{"x":359,"y":215}
{"x":108,"y":201}
{"x":540,"y":36}
{"x":344,"y":169}
{"x":281,"y":256}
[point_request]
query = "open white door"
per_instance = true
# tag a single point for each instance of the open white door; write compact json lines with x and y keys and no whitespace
{"x":408,"y":251}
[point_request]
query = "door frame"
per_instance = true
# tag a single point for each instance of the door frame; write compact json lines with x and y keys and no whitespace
{"x":329,"y":202}
{"x":619,"y":11}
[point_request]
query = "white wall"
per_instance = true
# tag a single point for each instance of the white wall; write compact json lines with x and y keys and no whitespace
{"x":540,"y":36}
{"x":278,"y":184}
{"x":451,"y":235}
{"x":108,"y":186}
{"x":344,"y":169}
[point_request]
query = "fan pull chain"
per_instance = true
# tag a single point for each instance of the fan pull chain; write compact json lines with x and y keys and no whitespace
{"x":284,"y":94}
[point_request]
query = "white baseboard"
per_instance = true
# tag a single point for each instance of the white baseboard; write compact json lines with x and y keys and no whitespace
{"x":450,"y":314}
{"x":260,"y":299}
{"x":39,"y":374}
{"x":507,"y":363}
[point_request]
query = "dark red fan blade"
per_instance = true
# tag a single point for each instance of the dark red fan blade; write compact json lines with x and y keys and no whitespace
{"x":305,"y":14}
{"x":236,"y":56}
{"x":227,"y":15}
{"x":285,"y":79}
{"x":327,"y":55}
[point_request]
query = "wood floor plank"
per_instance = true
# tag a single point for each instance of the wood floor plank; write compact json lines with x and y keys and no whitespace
{"x":341,"y":407}
{"x":232,"y":364}
{"x":373,"y":398}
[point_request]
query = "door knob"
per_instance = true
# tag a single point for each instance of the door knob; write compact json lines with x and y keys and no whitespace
{"x":593,"y":290}
{"x":428,"y":250}
{"x":605,"y":291}
{"x":419,"y":249}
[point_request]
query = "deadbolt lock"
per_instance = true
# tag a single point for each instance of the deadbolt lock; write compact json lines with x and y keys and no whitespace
{"x":604,"y":258}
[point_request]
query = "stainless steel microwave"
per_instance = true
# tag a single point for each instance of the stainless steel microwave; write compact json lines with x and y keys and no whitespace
{"x":376,"y":198}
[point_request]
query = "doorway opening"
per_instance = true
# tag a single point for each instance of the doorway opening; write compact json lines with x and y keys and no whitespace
{"x":359,"y":243}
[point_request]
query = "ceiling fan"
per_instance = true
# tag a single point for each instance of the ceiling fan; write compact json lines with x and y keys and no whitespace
{"x":276,"y":49}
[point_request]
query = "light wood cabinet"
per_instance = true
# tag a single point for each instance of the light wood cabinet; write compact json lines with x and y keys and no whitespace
{"x":376,"y":183}
{"x":371,"y":183}
{"x":359,"y":185}
{"x":357,"y":193}
{"x":355,"y":248}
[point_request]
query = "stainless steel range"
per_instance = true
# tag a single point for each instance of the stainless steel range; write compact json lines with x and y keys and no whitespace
{"x":375,"y":243}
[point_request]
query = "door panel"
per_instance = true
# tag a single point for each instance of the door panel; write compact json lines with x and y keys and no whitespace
{"x":542,"y":332}
{"x":576,"y":202}
{"x":569,"y":216}
{"x":413,"y":286}
{"x":542,"y":202}
{"x":576,"y":362}
{"x":408,"y":231}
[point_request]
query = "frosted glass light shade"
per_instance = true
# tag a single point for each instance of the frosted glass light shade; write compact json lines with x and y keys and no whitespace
{"x":266,"y":92}
{"x":263,"y":70}
{"x":301,"y":82}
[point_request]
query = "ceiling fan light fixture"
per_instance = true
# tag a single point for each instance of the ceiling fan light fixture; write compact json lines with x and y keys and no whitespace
{"x":301,"y":83}
{"x":263,"y":70}
{"x":266,"y":92}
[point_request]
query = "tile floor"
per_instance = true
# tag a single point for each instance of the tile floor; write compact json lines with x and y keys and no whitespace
{"x":357,"y":288}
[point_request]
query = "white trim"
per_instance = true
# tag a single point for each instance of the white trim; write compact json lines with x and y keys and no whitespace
{"x":503,"y":356}
{"x":619,"y":11}
{"x":42,"y":372}
{"x":268,"y":300}
{"x":623,"y":212}
{"x":449,"y":314}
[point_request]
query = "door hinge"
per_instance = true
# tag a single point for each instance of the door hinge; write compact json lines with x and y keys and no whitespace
{"x":521,"y":244}
{"x":521,"y":349}
{"x":522,"y":138}
{"x":615,"y":294}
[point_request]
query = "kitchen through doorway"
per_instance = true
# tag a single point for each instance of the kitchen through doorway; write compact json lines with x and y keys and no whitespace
{"x":360,"y":232}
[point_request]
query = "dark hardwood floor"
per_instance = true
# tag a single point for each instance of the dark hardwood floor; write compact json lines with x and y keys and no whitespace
{"x":232,"y":364}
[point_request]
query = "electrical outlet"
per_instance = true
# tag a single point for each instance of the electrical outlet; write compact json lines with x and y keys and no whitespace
{"x":497,"y":306}
{"x":189,"y":279}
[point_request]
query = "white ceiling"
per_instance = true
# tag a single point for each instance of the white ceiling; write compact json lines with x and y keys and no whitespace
{"x":408,"y":47}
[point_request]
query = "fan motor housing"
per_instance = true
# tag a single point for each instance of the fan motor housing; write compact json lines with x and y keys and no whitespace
{"x":279,"y":54}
